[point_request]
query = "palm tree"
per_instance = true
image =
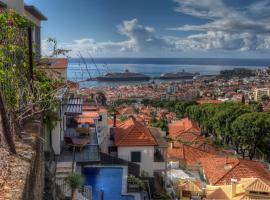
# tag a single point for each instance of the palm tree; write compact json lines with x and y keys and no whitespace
{"x":75,"y":181}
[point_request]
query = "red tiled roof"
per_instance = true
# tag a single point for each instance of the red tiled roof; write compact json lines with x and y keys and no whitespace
{"x":189,"y":154}
{"x":133,"y":133}
{"x":220,"y":170}
{"x":181,"y":126}
{"x":58,"y":63}
{"x":110,"y":122}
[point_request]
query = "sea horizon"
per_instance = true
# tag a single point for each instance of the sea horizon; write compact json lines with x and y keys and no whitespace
{"x":153,"y":67}
{"x":174,"y":60}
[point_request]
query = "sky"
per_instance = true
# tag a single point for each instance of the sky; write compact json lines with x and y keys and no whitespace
{"x":158,"y":28}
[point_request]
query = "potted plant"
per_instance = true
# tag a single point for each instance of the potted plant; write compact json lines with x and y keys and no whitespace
{"x":75,"y":181}
{"x":135,"y":183}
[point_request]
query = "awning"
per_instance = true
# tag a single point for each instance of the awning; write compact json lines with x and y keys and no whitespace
{"x":74,"y":106}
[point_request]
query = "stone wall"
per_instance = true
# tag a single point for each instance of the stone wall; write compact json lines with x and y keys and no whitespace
{"x":35,"y":181}
{"x":25,"y":180}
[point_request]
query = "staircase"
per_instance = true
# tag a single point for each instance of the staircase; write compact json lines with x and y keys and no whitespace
{"x":63,"y":170}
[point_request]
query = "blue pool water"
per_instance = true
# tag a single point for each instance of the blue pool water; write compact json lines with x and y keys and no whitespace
{"x":108,"y":179}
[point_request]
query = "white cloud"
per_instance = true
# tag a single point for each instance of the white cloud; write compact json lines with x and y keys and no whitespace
{"x":228,"y":28}
{"x":139,"y":40}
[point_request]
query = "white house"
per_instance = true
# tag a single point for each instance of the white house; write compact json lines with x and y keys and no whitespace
{"x":142,"y":145}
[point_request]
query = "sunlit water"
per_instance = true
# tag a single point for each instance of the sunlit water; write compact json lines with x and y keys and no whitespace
{"x":77,"y":70}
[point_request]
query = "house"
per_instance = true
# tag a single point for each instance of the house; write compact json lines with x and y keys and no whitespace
{"x":186,"y":131}
{"x":55,"y":67}
{"x":182,"y":126}
{"x":186,"y":156}
{"x":145,"y":146}
{"x":31,"y":13}
{"x":245,"y":188}
{"x":221,"y":169}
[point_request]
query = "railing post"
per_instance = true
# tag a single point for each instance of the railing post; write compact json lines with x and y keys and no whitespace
{"x":30,"y":52}
{"x":73,"y":160}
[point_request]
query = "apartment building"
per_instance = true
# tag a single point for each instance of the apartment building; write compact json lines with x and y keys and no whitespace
{"x":260,"y":92}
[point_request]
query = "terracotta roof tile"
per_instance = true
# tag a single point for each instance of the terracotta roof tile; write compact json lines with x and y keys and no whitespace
{"x":220,"y":170}
{"x":189,"y":154}
{"x":58,"y":63}
{"x":181,"y":126}
{"x":133,"y":133}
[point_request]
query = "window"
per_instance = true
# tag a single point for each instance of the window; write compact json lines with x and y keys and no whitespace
{"x":135,"y":156}
{"x":100,"y":118}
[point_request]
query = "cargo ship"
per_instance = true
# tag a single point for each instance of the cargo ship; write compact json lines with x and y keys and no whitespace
{"x":123,"y":76}
{"x":179,"y":75}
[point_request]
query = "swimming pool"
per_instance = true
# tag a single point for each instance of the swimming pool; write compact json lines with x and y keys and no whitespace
{"x":107,"y":179}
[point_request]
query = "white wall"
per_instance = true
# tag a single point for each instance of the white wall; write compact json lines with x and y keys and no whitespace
{"x":56,"y":140}
{"x":104,"y":134}
{"x":147,"y":157}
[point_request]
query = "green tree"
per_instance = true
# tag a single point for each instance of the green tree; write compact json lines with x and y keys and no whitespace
{"x":56,"y":51}
{"x":250,"y":129}
{"x":101,"y":98}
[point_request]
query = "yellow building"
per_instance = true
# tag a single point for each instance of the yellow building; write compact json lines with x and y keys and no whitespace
{"x":246,"y":188}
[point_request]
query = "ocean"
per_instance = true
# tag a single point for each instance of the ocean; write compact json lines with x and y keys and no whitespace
{"x":153,"y":67}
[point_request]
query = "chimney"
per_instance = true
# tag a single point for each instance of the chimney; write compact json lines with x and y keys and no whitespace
{"x":234,"y":184}
{"x":114,"y":119}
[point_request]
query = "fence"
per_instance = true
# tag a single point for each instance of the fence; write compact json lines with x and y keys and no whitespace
{"x":83,"y":193}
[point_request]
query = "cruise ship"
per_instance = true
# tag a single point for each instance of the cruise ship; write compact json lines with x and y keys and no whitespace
{"x":179,"y":75}
{"x":123,"y":76}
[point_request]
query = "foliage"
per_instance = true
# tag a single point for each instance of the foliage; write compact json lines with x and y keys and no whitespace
{"x":123,"y":118}
{"x":56,"y":51}
{"x":135,"y":181}
{"x":75,"y":181}
{"x":144,"y":173}
{"x":237,"y":72}
{"x":101,"y":98}
{"x":120,"y":102}
{"x":265,"y":98}
{"x":161,"y":123}
{"x":250,"y":129}
{"x":23,"y":95}
{"x":233,"y":124}
{"x":177,"y":106}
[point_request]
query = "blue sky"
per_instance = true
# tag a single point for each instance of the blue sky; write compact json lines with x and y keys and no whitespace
{"x":158,"y":28}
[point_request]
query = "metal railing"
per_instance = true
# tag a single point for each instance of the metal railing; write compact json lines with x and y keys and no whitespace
{"x":86,"y":153}
{"x":83,"y":193}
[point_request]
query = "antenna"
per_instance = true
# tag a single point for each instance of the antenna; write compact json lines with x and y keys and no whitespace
{"x":94,"y":63}
{"x":85,"y":65}
{"x":81,"y":69}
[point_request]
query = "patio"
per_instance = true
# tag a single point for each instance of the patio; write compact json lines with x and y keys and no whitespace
{"x":80,"y":148}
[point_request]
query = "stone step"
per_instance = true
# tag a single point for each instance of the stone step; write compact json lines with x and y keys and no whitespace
{"x":69,"y":170}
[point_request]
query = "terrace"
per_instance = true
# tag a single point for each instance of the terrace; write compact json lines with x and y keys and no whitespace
{"x":79,"y":148}
{"x":80,"y":137}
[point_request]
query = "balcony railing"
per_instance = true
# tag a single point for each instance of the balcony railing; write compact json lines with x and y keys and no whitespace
{"x":83,"y":193}
{"x":87,"y":153}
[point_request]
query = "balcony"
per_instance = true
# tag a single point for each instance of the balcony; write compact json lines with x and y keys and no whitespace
{"x":79,"y":148}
